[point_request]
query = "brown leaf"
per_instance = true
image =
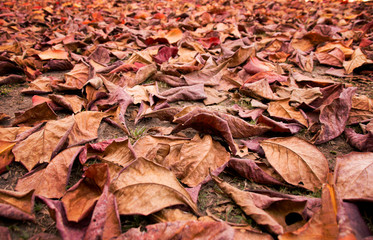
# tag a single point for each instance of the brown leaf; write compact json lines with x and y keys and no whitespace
{"x":333,"y":116}
{"x":314,"y":82}
{"x":41,"y":85}
{"x":36,"y":114}
{"x":351,"y":175}
{"x":85,"y":127}
{"x":12,"y":79}
{"x":50,"y":182}
{"x":254,"y":65}
{"x":100,"y":55}
{"x":6,"y":156}
{"x":259,"y":90}
{"x":42,"y":145}
{"x":174,"y":35}
{"x":362,"y":142}
{"x":246,"y":202}
{"x":282,"y":109}
{"x":173,"y":215}
{"x":248,"y":169}
{"x":75,"y":79}
{"x":240,"y":56}
{"x":157,"y":186}
{"x":196,"y":158}
{"x":214,"y":96}
{"x":17,"y":205}
{"x":209,"y":75}
{"x":182,"y":230}
{"x":143,"y":73}
{"x":147,"y":144}
{"x":73,"y":103}
{"x":53,"y":54}
{"x":297,"y":161}
{"x":187,"y":93}
{"x":323,"y":225}
{"x":79,"y":200}
{"x":358,"y":58}
{"x":333,"y":58}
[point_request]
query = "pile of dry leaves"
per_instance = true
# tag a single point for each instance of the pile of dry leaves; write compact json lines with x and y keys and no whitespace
{"x":197,"y":91}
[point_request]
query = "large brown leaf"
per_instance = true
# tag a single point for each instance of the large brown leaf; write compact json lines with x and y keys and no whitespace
{"x":41,"y":85}
{"x":85,"y":127}
{"x":196,"y":158}
{"x":299,"y":162}
{"x":351,"y":175}
{"x":260,"y":90}
{"x":36,"y":114}
{"x":42,"y":145}
{"x":187,"y":93}
{"x":16,"y":205}
{"x":182,"y":230}
{"x":362,"y":142}
{"x":157,"y":186}
{"x":50,"y":182}
{"x":73,"y":103}
{"x":76,"y":78}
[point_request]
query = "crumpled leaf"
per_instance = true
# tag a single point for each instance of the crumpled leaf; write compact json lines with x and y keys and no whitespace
{"x":164,"y":54}
{"x":42,"y":145}
{"x":270,"y":76}
{"x":333,"y":117}
{"x":174,"y":35}
{"x":254,"y":65}
{"x":50,"y":182}
{"x":323,"y":225}
{"x":182,"y":230}
{"x":158,"y":187}
{"x":240,"y":56}
{"x":260,"y":90}
{"x":282,"y":109}
{"x":362,"y":142}
{"x":143,"y":73}
{"x":85,"y":127}
{"x":259,"y":207}
{"x":209,"y":75}
{"x":100,"y":55}
{"x":17,"y":205}
{"x":358,"y":58}
{"x":41,"y":85}
{"x":333,"y":58}
{"x":351,"y":175}
{"x":195,"y":159}
{"x":36,"y":114}
{"x":281,"y":127}
{"x":73,"y":103}
{"x":297,"y":161}
{"x":361,"y":110}
{"x":76,"y":78}
{"x":248,"y":169}
{"x":187,"y":93}
{"x":80,"y":199}
{"x":213,"y":96}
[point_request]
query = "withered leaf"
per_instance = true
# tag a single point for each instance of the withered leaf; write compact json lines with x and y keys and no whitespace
{"x":351,"y":175}
{"x":158,"y":187}
{"x":284,"y":110}
{"x":16,"y":205}
{"x":182,"y":230}
{"x":362,"y":142}
{"x":36,"y":114}
{"x":297,"y":161}
{"x":40,"y":146}
{"x":76,"y":78}
{"x":196,"y":159}
{"x":358,"y":58}
{"x":50,"y":182}
{"x":6,"y":157}
{"x":187,"y":93}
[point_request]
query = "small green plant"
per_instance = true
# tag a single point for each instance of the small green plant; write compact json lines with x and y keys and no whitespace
{"x":5,"y":90}
{"x":38,"y":207}
{"x":138,"y":132}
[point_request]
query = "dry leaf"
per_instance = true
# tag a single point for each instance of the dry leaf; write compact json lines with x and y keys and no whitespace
{"x":297,"y":161}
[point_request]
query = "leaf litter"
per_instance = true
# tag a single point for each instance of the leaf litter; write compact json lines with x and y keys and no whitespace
{"x":222,"y":120}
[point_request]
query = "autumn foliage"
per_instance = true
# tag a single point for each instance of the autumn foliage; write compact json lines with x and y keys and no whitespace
{"x":249,"y":89}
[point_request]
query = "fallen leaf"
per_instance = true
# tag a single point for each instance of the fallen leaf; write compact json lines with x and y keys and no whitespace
{"x":254,"y":65}
{"x":41,"y":85}
{"x":259,"y":90}
{"x":100,"y":55}
{"x":42,"y":145}
{"x":187,"y":93}
{"x":50,"y":182}
{"x":297,"y":161}
{"x":362,"y":142}
{"x":17,"y":205}
{"x":75,"y":79}
{"x":358,"y":58}
{"x":53,"y":54}
{"x":157,"y":185}
{"x":196,"y":158}
{"x":323,"y":225}
{"x":12,"y":79}
{"x":6,"y":156}
{"x":70,"y":102}
{"x":174,"y":35}
{"x":36,"y":114}
{"x":333,"y":58}
{"x":164,"y":54}
{"x":282,"y":109}
{"x":351,"y":174}
{"x":182,"y":230}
